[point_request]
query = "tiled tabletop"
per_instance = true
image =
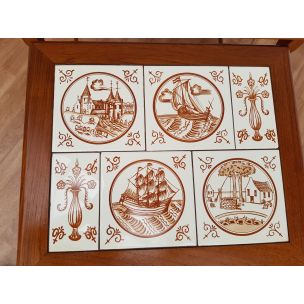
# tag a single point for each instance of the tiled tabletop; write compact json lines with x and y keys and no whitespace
{"x":164,"y":156}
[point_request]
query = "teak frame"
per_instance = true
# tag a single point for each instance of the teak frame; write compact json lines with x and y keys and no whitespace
{"x":34,"y":201}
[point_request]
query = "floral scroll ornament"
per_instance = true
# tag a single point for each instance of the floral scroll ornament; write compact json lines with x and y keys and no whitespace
{"x":155,"y":77}
{"x":179,"y":162}
{"x":65,"y":139}
{"x":274,"y":229}
{"x":205,"y":164}
{"x":91,"y":168}
{"x":131,"y":77}
{"x":237,"y":79}
{"x":66,"y":76}
{"x":270,"y":135}
{"x":91,"y":233}
{"x":158,"y":137}
{"x":182,"y":232}
{"x":221,"y":136}
{"x":60,"y":168}
{"x":58,"y":234}
{"x":217,"y":76}
{"x":252,"y":94}
{"x":242,"y":135}
{"x":268,"y":163}
{"x":211,"y":230}
{"x":133,"y":139}
{"x":114,"y":234}
{"x":113,"y":163}
{"x":75,"y":185}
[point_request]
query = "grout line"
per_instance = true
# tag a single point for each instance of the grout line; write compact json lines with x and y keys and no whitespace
{"x":99,"y":200}
{"x":232,"y":113}
{"x":144,"y":101}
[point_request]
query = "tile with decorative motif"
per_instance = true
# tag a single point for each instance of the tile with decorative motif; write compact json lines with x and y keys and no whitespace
{"x":147,"y":200}
{"x":98,"y":108}
{"x":253,"y":108}
{"x":188,"y":108}
{"x":74,"y":202}
{"x":239,"y":197}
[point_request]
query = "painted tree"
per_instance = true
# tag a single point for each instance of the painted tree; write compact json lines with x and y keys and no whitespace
{"x":237,"y":170}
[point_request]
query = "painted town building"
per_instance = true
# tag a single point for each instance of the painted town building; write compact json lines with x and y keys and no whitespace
{"x":258,"y":192}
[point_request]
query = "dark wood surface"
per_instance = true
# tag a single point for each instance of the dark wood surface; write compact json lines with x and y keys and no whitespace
{"x":34,"y":202}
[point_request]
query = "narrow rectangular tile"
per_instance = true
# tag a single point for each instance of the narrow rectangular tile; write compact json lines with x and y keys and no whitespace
{"x":227,"y":215}
{"x":74,"y":202}
{"x":147,"y":200}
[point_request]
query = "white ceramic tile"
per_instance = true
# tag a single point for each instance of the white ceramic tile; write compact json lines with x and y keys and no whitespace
{"x":188,"y":115}
{"x":127,"y":219}
{"x":74,"y":210}
{"x":226,"y":215}
{"x":253,"y":108}
{"x":90,"y":116}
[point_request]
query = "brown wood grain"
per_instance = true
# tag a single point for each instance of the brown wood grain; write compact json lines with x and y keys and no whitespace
{"x":34,"y":205}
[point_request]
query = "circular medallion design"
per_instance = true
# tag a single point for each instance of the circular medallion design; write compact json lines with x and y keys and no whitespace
{"x":98,"y":108}
{"x":147,"y":198}
{"x":188,"y":107}
{"x":239,"y":196}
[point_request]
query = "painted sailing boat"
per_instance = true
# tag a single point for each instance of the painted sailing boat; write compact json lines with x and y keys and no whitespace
{"x":148,"y":192}
{"x":185,"y":104}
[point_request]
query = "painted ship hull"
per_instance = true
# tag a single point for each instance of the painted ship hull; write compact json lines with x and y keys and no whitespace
{"x":133,"y":208}
{"x":184,"y":113}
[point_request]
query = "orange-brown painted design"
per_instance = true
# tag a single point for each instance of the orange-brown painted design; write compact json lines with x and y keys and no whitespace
{"x":131,"y":76}
{"x":91,"y":168}
{"x":237,"y":79}
{"x":91,"y":233}
{"x":188,"y":107}
{"x":252,"y":94}
{"x":98,"y":108}
{"x":179,"y":162}
{"x":114,"y":163}
{"x":65,"y":139}
{"x":220,"y":136}
{"x":60,"y":168}
{"x":114,"y":234}
{"x":268,"y":163}
{"x":155,"y":77}
{"x":274,"y":229}
{"x":66,"y":76}
{"x":133,"y":139}
{"x":263,"y":80}
{"x":210,"y":230}
{"x":242,"y":135}
{"x":217,"y":76}
{"x":158,"y":137}
{"x":147,"y":198}
{"x":239,"y":196}
{"x":182,"y":232}
{"x":74,"y":186}
{"x":270,"y":135}
{"x":58,"y":234}
{"x":206,"y":163}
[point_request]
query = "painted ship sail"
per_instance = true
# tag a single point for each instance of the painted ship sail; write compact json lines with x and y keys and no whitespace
{"x":148,"y":192}
{"x":185,"y":104}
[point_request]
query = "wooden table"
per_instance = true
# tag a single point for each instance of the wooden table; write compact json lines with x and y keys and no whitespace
{"x":35,"y":187}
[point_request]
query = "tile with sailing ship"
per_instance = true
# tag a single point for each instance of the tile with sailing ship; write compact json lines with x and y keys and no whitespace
{"x":239,"y":197}
{"x":147,"y":200}
{"x":74,"y":202}
{"x":188,"y":108}
{"x":253,"y":108}
{"x":98,"y":108}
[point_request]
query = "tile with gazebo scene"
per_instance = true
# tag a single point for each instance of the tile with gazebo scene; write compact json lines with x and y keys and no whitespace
{"x":74,"y":202}
{"x":98,"y":108}
{"x":239,"y":197}
{"x":253,"y":108}
{"x":147,"y":200}
{"x":188,"y":108}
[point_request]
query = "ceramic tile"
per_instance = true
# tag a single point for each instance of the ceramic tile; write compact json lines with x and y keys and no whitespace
{"x":98,"y":108}
{"x":147,"y":200}
{"x":226,"y":215}
{"x":188,"y":108}
{"x":74,"y":202}
{"x":253,"y":108}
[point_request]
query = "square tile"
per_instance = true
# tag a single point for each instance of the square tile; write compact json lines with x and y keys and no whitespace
{"x":226,"y":215}
{"x":188,"y":108}
{"x":74,"y":202}
{"x":147,"y":200}
{"x":253,"y":108}
{"x":98,"y":108}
